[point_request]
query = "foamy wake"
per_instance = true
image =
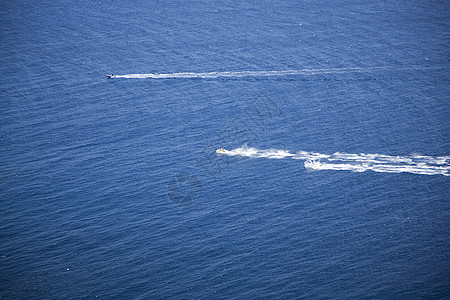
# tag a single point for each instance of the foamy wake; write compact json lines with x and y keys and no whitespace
{"x":240,"y":74}
{"x":416,"y":164}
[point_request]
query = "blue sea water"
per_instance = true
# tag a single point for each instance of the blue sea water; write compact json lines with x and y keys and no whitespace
{"x":111,"y":188}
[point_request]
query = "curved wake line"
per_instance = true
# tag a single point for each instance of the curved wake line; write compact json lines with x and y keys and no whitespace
{"x":239,"y":74}
{"x":416,"y":164}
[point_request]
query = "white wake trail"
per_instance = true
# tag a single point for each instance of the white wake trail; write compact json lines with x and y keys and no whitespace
{"x":240,"y":74}
{"x":416,"y":164}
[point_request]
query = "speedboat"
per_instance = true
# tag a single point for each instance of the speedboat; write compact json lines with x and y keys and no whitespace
{"x":221,"y":151}
{"x":111,"y":76}
{"x":312,"y":164}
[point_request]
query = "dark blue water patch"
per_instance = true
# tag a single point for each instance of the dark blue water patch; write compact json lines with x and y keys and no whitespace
{"x":88,"y":164}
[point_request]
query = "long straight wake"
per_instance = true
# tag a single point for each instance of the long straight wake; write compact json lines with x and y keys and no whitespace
{"x":240,"y":74}
{"x":416,"y":164}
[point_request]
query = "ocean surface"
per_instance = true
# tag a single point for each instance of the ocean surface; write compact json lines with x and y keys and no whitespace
{"x":333,"y":182}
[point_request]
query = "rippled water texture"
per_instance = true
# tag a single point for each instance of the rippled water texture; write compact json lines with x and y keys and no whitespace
{"x":333,"y":182}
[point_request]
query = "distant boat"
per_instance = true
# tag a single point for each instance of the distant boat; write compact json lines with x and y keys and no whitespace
{"x":312,"y":164}
{"x":221,"y":150}
{"x":111,"y":76}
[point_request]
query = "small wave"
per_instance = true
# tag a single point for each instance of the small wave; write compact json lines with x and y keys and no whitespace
{"x":416,"y":164}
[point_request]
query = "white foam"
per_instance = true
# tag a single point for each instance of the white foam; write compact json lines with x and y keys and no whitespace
{"x":384,"y":168}
{"x":416,"y":164}
{"x":253,"y":152}
{"x":239,"y":74}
